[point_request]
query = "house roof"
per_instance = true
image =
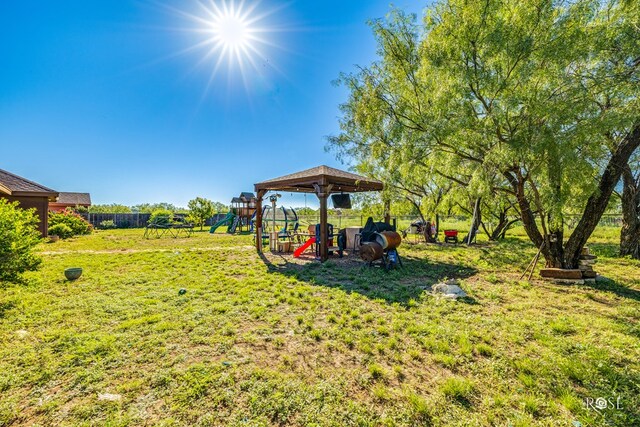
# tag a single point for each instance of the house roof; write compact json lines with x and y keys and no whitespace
{"x":14,"y":185}
{"x":307,"y":180}
{"x":74,"y":199}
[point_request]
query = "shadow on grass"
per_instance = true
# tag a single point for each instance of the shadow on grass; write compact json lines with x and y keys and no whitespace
{"x":608,"y":285}
{"x":401,"y":286}
{"x":607,"y":250}
{"x":6,"y":306}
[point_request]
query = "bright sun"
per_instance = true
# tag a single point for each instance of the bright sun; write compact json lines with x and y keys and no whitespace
{"x":231,"y":33}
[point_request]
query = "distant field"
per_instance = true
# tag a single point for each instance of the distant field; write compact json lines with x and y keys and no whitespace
{"x":264,"y":342}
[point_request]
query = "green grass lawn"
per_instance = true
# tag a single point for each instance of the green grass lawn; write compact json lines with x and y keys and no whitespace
{"x":262,"y":341}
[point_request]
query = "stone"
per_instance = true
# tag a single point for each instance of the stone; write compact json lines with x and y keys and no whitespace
{"x":449,"y":289}
{"x":109,"y":397}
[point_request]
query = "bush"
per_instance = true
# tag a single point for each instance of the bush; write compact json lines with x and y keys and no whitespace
{"x":61,"y":230}
{"x":75,"y":222}
{"x":161,"y":217}
{"x":18,"y":236}
{"x":107,"y":224}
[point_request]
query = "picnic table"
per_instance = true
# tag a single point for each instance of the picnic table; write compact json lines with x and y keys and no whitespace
{"x":175,"y":228}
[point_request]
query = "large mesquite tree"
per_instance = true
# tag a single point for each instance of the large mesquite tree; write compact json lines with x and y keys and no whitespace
{"x":630,"y":233}
{"x":537,"y":100}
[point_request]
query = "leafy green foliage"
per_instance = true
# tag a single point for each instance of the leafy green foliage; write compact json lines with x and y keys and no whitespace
{"x":107,"y":224}
{"x":111,"y":208}
{"x":161,"y":217}
{"x":78,"y":225}
{"x":533,"y":102}
{"x":61,"y":230}
{"x":152,"y":207}
{"x":200,"y":210}
{"x":18,"y":237}
{"x":219,"y":207}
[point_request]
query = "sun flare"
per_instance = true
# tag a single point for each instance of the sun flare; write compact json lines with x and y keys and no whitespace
{"x":231,"y":31}
{"x":231,"y":34}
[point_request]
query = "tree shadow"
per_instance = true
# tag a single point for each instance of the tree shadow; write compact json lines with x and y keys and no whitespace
{"x":609,"y":285}
{"x":402,"y":286}
{"x":6,"y":306}
{"x":607,"y":250}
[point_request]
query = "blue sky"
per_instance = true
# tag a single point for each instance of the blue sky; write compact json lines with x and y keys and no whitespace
{"x":95,"y":97}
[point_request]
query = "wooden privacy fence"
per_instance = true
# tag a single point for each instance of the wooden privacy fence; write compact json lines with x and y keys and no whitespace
{"x":122,"y":220}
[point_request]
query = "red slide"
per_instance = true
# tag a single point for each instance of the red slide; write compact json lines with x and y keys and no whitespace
{"x":304,"y":247}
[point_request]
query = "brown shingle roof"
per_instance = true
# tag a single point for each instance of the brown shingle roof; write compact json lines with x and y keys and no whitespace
{"x":74,"y":199}
{"x":14,"y":185}
{"x":304,"y":180}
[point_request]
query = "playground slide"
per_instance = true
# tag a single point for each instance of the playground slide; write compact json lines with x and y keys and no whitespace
{"x":226,"y":220}
{"x":304,"y":247}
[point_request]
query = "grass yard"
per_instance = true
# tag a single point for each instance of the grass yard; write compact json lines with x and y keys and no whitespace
{"x":263,"y":342}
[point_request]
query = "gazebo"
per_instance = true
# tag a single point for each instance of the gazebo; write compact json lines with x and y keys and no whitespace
{"x":321,"y":180}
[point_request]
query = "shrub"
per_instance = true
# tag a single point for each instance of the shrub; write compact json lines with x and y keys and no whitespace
{"x":61,"y":230}
{"x":75,"y":222}
{"x":18,"y":236}
{"x":161,"y":217}
{"x":107,"y":224}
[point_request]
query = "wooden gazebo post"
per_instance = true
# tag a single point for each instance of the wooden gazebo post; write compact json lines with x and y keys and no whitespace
{"x":323,"y":190}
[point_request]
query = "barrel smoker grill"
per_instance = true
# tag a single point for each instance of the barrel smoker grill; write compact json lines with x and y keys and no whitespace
{"x":382,"y":248}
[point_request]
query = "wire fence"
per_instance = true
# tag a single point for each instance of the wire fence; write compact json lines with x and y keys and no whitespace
{"x":403,"y":222}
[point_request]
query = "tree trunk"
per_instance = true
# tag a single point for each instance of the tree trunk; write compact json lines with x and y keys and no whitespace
{"x":568,"y":255}
{"x":597,"y":203}
{"x":630,"y":233}
{"x":526,"y":214}
{"x":500,"y":230}
{"x":477,"y":220}
{"x":503,"y":235}
{"x":554,"y":242}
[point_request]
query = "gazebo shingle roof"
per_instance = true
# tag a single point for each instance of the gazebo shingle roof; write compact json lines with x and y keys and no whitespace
{"x":304,"y":181}
{"x":14,"y":185}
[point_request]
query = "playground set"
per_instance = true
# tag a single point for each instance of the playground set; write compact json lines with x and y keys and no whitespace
{"x":243,"y":209}
{"x":242,"y":215}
